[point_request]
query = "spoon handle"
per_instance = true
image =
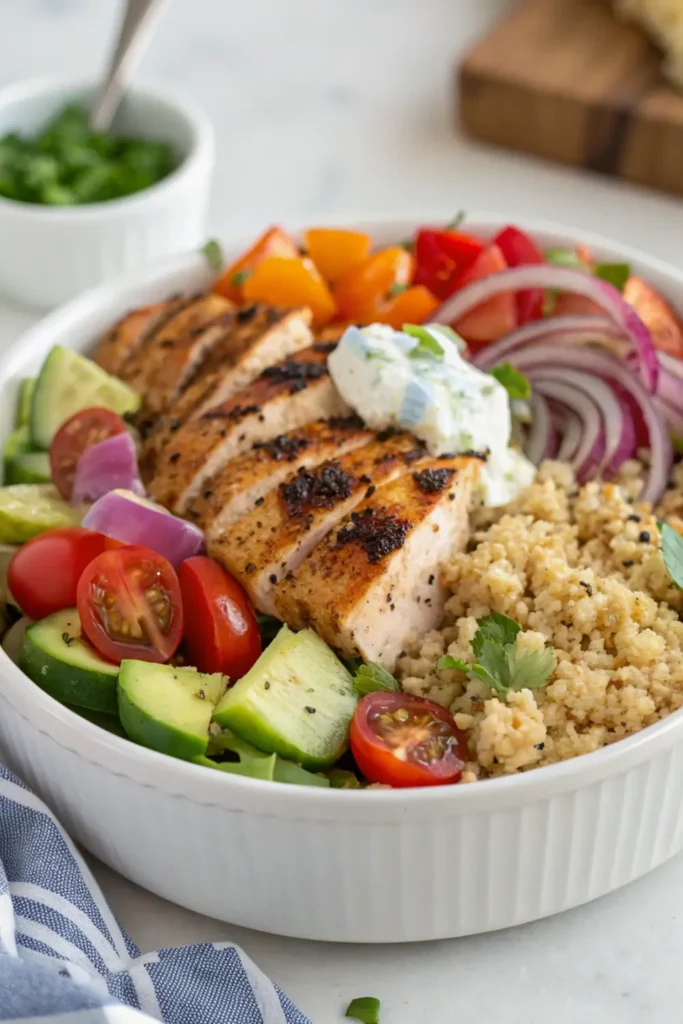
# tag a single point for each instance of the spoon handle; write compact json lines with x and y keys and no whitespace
{"x":134,"y":34}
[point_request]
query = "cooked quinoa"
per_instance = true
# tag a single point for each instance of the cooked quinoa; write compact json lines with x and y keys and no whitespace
{"x":580,"y":569}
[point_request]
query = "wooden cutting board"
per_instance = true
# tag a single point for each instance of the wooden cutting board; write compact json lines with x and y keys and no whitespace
{"x":566,"y":80}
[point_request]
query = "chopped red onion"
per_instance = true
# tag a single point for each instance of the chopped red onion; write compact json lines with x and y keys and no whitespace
{"x":542,"y":438}
{"x":107,"y":466}
{"x":133,"y":520}
{"x":558,"y":330}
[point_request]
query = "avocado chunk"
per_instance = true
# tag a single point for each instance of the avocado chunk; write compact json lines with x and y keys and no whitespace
{"x":61,"y":661}
{"x":29,"y":509}
{"x":296,"y":701}
{"x":67,"y":383}
{"x":167,"y":708}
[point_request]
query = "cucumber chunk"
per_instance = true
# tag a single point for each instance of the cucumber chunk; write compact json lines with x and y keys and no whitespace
{"x":24,"y":404}
{"x":13,"y":640}
{"x":22,"y":463}
{"x":57,"y":658}
{"x":167,"y":708}
{"x":296,"y":701}
{"x":106,"y":722}
{"x":67,"y":383}
{"x":28,"y":509}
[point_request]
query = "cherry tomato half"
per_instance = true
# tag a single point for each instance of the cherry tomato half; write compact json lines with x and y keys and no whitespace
{"x":518,"y":248}
{"x":401,"y":740}
{"x":129,"y":604}
{"x":87,"y":427}
{"x":442,"y":257}
{"x":493,"y":319}
{"x":44,"y":573}
{"x":221,"y":632}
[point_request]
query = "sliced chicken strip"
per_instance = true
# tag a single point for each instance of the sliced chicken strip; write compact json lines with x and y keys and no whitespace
{"x":142,"y":367}
{"x":261,"y":336}
{"x":286,"y":396}
{"x":131,"y":332}
{"x":374,"y":581}
{"x":273,"y":539}
{"x":245,"y":480}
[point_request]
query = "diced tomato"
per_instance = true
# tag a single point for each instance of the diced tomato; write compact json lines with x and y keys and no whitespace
{"x":413,"y":306}
{"x":86,"y":428}
{"x":43,"y":575}
{"x":273,"y":242}
{"x":282,"y":281}
{"x":442,"y":257}
{"x":221,"y":632}
{"x":576,"y":305}
{"x":659,"y":317}
{"x":363,"y":290}
{"x":496,"y":317}
{"x":401,"y":740}
{"x":335,"y":250}
{"x":519,"y":249}
{"x":129,"y":604}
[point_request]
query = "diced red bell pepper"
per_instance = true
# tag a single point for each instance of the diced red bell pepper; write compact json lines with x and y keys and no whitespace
{"x":519,"y":249}
{"x":496,"y":317}
{"x":442,"y":257}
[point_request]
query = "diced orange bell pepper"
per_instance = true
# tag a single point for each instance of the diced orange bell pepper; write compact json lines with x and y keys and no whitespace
{"x":334,"y":250}
{"x":280,"y":281}
{"x":413,"y":306}
{"x":362,"y":291}
{"x":273,"y":242}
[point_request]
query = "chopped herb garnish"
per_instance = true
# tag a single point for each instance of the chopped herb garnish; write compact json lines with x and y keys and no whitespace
{"x":427,"y":345}
{"x":456,"y":221}
{"x":214,"y":254}
{"x":499,"y":663}
{"x":672,"y":552}
{"x":408,"y":244}
{"x":340,"y":778}
{"x":240,"y":277}
{"x":369,"y":678}
{"x":397,"y":289}
{"x":238,"y":757}
{"x":365,"y":1009}
{"x":269,"y":627}
{"x":514,"y":382}
{"x":616,"y":274}
{"x":565,"y":258}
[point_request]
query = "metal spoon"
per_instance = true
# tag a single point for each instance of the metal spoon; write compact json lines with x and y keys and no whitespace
{"x":134,"y":35}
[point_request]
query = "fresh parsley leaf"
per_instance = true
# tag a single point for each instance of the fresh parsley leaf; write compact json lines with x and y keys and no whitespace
{"x":616,"y":274}
{"x":448,"y":661}
{"x":449,"y":333}
{"x":340,"y":778}
{"x":427,"y":345}
{"x":397,"y":289}
{"x":240,"y":277}
{"x":529,"y":669}
{"x":672,"y":552}
{"x":497,"y":627}
{"x":456,"y":221}
{"x":365,"y":1009}
{"x":369,"y":678}
{"x":214,"y":254}
{"x":514,"y":382}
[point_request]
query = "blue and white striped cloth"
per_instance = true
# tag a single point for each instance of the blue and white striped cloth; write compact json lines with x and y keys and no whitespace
{"x":64,"y":959}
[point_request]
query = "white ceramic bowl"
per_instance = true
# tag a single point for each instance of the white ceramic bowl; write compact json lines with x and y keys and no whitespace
{"x":341,"y":865}
{"x":49,"y":254}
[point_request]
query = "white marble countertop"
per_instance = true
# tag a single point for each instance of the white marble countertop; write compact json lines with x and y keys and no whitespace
{"x":346,"y":107}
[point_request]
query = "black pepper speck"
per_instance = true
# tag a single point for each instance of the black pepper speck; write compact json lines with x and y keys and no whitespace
{"x":644,"y":536}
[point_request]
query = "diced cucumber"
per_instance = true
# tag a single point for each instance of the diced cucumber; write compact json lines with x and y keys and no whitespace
{"x":296,"y":701}
{"x":59,"y":660}
{"x":167,"y":708}
{"x":24,"y":404}
{"x":22,"y":463}
{"x":13,"y":640}
{"x":7,"y":553}
{"x":67,"y":383}
{"x":107,"y":722}
{"x":28,"y":509}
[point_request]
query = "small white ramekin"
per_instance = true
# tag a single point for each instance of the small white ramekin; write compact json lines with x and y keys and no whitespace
{"x":50,"y":254}
{"x":332,"y":864}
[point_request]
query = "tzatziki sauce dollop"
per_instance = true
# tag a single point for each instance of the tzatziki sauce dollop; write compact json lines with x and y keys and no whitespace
{"x":421,"y":383}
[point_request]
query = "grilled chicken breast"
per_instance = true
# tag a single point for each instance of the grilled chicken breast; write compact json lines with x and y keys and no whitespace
{"x":286,"y":396}
{"x":261,"y":548}
{"x":374,"y":581}
{"x":131,"y":332}
{"x":258,"y":337}
{"x":245,"y":480}
{"x":180,"y":331}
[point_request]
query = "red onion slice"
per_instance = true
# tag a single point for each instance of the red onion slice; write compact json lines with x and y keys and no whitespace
{"x":570,"y":428}
{"x":107,"y":466}
{"x":592,"y":446}
{"x":670,"y":384}
{"x":642,"y":355}
{"x":558,"y":330}
{"x":610,"y":369}
{"x":542,"y":439}
{"x":133,"y":520}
